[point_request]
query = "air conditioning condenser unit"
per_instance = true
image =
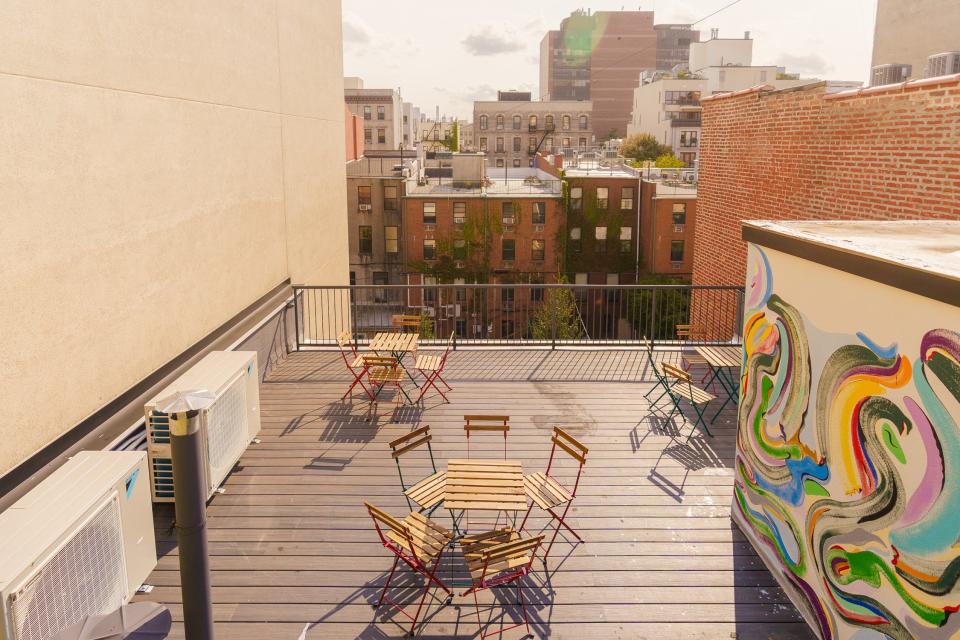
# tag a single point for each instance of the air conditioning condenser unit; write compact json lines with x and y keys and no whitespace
{"x":227,"y":426}
{"x":79,"y":544}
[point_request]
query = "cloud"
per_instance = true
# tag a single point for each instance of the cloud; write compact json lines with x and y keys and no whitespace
{"x":808,"y":64}
{"x":485,"y":41}
{"x":355,"y":32}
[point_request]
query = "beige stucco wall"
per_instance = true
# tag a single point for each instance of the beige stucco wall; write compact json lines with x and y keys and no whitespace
{"x":163,"y":166}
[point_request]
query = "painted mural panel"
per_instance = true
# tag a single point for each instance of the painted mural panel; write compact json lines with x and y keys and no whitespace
{"x":848,"y":464}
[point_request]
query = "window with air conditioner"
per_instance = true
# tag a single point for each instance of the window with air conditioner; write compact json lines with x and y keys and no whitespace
{"x":364,"y":199}
{"x":459,"y":213}
{"x":538,"y":249}
{"x":429,"y":213}
{"x":508,"y":215}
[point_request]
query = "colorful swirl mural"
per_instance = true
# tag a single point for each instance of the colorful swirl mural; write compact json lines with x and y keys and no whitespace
{"x":848,"y":469}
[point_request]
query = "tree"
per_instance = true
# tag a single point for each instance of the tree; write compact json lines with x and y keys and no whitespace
{"x":559,"y":309}
{"x":669,"y":161}
{"x":655,"y":313}
{"x":642,"y":146}
{"x":426,"y":325}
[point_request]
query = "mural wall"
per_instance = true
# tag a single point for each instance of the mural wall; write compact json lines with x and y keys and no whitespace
{"x":848,"y":449}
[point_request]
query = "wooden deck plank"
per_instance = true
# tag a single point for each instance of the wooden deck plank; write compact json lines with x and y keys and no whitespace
{"x":294,"y":555}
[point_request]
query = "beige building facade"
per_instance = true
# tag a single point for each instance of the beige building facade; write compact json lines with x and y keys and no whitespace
{"x":909,"y":33}
{"x":156,"y":183}
{"x":381,"y":113}
{"x":512,"y":132}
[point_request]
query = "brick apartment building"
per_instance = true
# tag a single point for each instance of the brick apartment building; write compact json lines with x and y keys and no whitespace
{"x":469,"y":228}
{"x":883,"y":153}
{"x":667,"y":227}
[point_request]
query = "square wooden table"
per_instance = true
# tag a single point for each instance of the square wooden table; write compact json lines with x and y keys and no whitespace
{"x":485,"y":485}
{"x":398,"y":344}
{"x":720,"y":359}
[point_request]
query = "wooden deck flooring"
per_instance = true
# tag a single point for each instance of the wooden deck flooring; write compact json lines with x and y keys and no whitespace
{"x":294,"y":554}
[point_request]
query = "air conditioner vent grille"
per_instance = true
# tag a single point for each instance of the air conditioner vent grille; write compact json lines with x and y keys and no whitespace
{"x":158,"y":428}
{"x":227,"y":428}
{"x":162,"y":473}
{"x":86,"y":576}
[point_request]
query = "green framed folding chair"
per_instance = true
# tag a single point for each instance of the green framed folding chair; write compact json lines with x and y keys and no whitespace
{"x":426,"y":493}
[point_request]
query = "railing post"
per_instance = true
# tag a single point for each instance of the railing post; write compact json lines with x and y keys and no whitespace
{"x":553,"y":320}
{"x":296,"y":316}
{"x":738,"y":321}
{"x":653,"y":316}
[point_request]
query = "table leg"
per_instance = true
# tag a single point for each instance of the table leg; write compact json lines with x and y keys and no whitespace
{"x":729,"y":387}
{"x":399,"y":356}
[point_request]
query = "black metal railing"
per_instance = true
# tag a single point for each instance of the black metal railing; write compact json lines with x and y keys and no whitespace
{"x":545,"y":315}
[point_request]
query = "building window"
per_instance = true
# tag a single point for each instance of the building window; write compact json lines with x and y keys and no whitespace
{"x":576,"y":198}
{"x":367,"y":112}
{"x":517,"y":143}
{"x":366,"y":240}
{"x":626,"y":235}
{"x":539,"y":213}
{"x":368,"y":136}
{"x":460,"y":293}
{"x":461,"y":327}
{"x":405,"y":119}
{"x":507,"y":213}
{"x":613,"y":278}
{"x":601,"y":240}
{"x":603,"y":199}
{"x":381,"y":112}
{"x":500,"y":163}
{"x":390,"y":198}
{"x":688,"y":158}
{"x":689,"y":138}
{"x":381,"y":136}
{"x":676,"y":250}
{"x":516,"y":162}
{"x":685,"y":98}
{"x":583,"y":144}
{"x":549,"y":144}
{"x":459,"y":213}
{"x":536,"y":293}
{"x":483,"y":124}
{"x":575,"y":244}
{"x":429,"y":249}
{"x":533,"y":122}
{"x":459,"y":249}
{"x":499,"y":145}
{"x":381,"y":277}
{"x":506,"y":326}
{"x":679,"y":213}
{"x":429,"y":213}
{"x":483,"y":144}
{"x":499,"y":122}
{"x":566,"y":143}
{"x":626,"y":198}
{"x":363,"y":196}
{"x":517,"y":121}
{"x":584,"y":123}
{"x":580,"y":278}
{"x":566,"y":123}
{"x":508,"y":296}
{"x":508,"y":248}
{"x":538,"y":250}
{"x":391,"y":236}
{"x":429,"y":289}
{"x":548,"y":122}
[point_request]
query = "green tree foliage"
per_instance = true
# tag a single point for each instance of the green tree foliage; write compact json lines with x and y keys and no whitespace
{"x":426,"y":325}
{"x":642,"y":146}
{"x":669,"y":161}
{"x":559,"y":308}
{"x":655,"y":313}
{"x":452,"y":140}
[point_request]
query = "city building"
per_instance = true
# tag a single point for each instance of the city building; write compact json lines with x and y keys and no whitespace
{"x":803,"y":154}
{"x":915,"y":39}
{"x":381,"y":111}
{"x":376,"y":185}
{"x":513,"y":129}
{"x":598,"y":56}
{"x":668,"y":202}
{"x":172,"y":180}
{"x":673,"y":45}
{"x":465,"y":131}
{"x":411,"y":125}
{"x":440,"y":135}
{"x":667,"y":106}
{"x":474,"y":227}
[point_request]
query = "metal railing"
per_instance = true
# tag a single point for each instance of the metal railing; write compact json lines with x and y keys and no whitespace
{"x":543,"y":315}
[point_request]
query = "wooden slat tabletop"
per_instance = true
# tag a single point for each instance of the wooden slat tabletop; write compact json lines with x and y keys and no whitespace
{"x":485,"y":485}
{"x":395,"y":342}
{"x":722,"y":356}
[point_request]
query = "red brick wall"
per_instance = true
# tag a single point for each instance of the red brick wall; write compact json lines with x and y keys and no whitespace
{"x":657,"y":232}
{"x":881,"y":153}
{"x":353,"y":131}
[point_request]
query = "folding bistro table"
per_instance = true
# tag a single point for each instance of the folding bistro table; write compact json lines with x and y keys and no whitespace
{"x":398,"y":344}
{"x":485,"y":485}
{"x":721,"y":360}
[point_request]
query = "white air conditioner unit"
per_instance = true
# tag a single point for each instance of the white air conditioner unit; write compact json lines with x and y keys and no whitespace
{"x":227,"y":426}
{"x":80,"y":543}
{"x":678,"y":228}
{"x":365,"y":207}
{"x":430,"y":312}
{"x":538,"y":228}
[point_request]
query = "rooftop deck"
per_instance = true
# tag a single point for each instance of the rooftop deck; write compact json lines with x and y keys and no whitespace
{"x":294,"y":553}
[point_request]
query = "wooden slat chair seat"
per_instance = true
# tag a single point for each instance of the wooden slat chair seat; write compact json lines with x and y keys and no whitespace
{"x":419,"y":543}
{"x":496,"y":559}
{"x":385,"y":374}
{"x":427,"y":493}
{"x":428,"y":363}
{"x":547,"y":493}
{"x":484,"y":423}
{"x":384,"y":370}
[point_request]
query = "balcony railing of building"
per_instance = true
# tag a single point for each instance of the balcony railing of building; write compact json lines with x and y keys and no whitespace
{"x":534,"y":315}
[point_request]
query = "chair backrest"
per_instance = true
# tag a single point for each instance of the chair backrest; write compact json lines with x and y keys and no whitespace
{"x":499,"y":424}
{"x":691,"y":331}
{"x":373,"y":362}
{"x":572,"y":447}
{"x":507,"y":552}
{"x":346,"y":345}
{"x":407,"y":443}
{"x":675,"y":372}
{"x":446,"y":352}
{"x":384,"y":521}
{"x":404,"y":322}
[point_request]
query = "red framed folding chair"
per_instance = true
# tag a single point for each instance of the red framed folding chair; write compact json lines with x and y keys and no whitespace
{"x":499,"y":424}
{"x":430,"y":367}
{"x":547,"y":493}
{"x":427,"y":493}
{"x":496,"y":559}
{"x":355,"y":364}
{"x":382,"y":371}
{"x":417,"y":541}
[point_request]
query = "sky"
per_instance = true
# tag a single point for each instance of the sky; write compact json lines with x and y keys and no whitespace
{"x":448,"y":53}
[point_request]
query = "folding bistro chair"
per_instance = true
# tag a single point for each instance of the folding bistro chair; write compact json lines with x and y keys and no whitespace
{"x":431,"y":367}
{"x":696,"y":332}
{"x":496,"y":559}
{"x":405,"y":323}
{"x":419,"y":542}
{"x":680,"y":388}
{"x":383,"y":371}
{"x":548,"y":494}
{"x":427,"y":493}
{"x":657,"y":369}
{"x":355,"y":364}
{"x":487,"y":423}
